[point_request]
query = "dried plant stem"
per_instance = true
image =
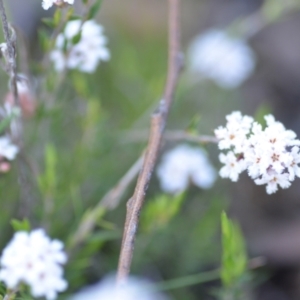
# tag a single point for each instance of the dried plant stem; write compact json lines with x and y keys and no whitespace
{"x":16,"y":133}
{"x":11,"y":47}
{"x":185,"y":136}
{"x":171,"y":135}
{"x":158,"y":122}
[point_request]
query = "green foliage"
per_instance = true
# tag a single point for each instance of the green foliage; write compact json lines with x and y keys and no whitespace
{"x":76,"y":38}
{"x":94,"y":9}
{"x":49,"y":22}
{"x":44,"y":40}
{"x":23,"y":225}
{"x":158,"y":212}
{"x":47,"y":180}
{"x":193,"y":127}
{"x":57,"y":17}
{"x":274,"y":10}
{"x":234,"y":256}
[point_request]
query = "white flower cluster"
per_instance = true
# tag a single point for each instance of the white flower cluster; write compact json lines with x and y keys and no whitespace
{"x":182,"y":165}
{"x":32,"y":258}
{"x":84,"y":55}
{"x":270,"y":155}
{"x":224,"y":59}
{"x":132,"y":289}
{"x":46,"y":4}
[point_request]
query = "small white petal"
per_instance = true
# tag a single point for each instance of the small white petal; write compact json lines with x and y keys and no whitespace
{"x":87,"y":53}
{"x":32,"y":258}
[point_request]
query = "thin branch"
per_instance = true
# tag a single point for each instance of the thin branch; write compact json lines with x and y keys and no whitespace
{"x":110,"y":200}
{"x":158,"y":122}
{"x":185,"y":136}
{"x":171,"y":135}
{"x":11,"y":47}
{"x":16,"y":126}
{"x":207,"y":276}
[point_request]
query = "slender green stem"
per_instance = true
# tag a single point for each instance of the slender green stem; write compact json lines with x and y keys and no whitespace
{"x":188,"y":280}
{"x":10,"y":294}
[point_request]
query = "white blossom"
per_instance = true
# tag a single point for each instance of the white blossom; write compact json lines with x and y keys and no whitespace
{"x":32,"y":258}
{"x":293,"y":164}
{"x":233,"y":166}
{"x":7,"y":149}
{"x":234,"y":134}
{"x":270,"y":155}
{"x":132,"y":289}
{"x":46,"y":4}
{"x":222,"y":58}
{"x":182,"y":165}
{"x":272,"y":179}
{"x":84,"y":55}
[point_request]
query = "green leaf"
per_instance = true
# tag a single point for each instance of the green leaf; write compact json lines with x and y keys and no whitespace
{"x":94,"y":9}
{"x":159,"y":211}
{"x":194,"y":125}
{"x":76,"y":39}
{"x":57,"y":17}
{"x":70,"y":13}
{"x":47,"y":180}
{"x":273,"y":10}
{"x":49,"y":22}
{"x":74,"y":17}
{"x":234,"y":256}
{"x":23,"y":225}
{"x":44,"y":40}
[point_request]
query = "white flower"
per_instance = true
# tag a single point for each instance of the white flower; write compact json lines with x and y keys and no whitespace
{"x":233,"y":166}
{"x":46,"y":4}
{"x":272,"y":179}
{"x":235,"y":132}
{"x":182,"y":165}
{"x":7,"y":149}
{"x":86,"y":54}
{"x":256,"y":162}
{"x":133,"y":289}
{"x":293,"y":163}
{"x":32,"y":258}
{"x":226,"y":60}
{"x":271,"y":155}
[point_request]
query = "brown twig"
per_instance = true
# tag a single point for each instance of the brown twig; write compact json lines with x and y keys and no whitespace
{"x":158,"y":122}
{"x":11,"y":69}
{"x":171,"y":135}
{"x":11,"y":48}
{"x":185,"y":136}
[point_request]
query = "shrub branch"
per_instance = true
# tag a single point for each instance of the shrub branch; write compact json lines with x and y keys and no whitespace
{"x":158,"y":122}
